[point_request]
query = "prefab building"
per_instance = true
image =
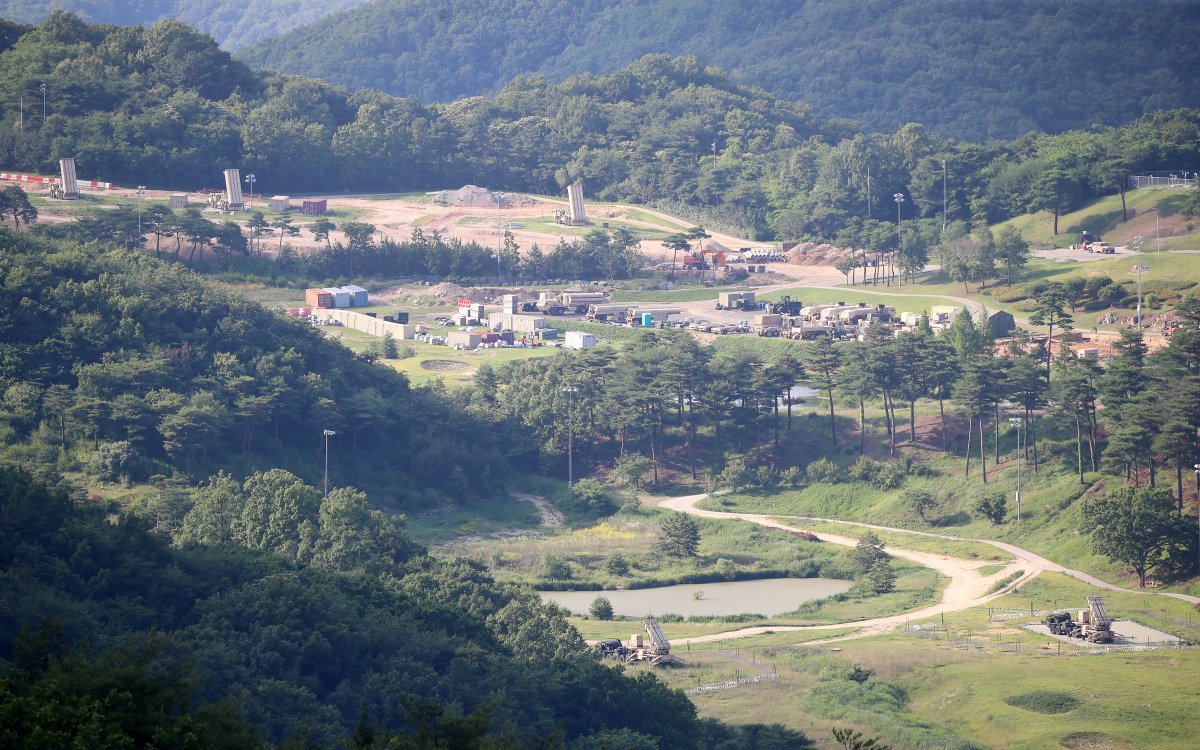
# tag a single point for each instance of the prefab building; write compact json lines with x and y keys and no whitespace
{"x":341,"y":296}
{"x":1001,"y":323}
{"x":359,"y":297}
{"x":318,"y":298}
{"x":178,"y":200}
{"x":464,"y":339}
{"x":279,"y":204}
{"x":314,"y":207}
{"x":579,"y":340}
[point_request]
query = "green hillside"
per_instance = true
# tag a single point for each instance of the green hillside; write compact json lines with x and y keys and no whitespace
{"x":235,"y":24}
{"x":974,"y":70}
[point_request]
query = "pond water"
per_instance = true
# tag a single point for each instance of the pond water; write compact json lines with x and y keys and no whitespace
{"x":769,"y":597}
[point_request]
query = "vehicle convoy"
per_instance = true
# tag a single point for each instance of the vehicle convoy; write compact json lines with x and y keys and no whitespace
{"x":1094,"y":625}
{"x":563,"y":303}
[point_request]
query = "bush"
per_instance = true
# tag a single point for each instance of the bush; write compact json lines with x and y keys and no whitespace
{"x":765,"y":476}
{"x":863,"y":469}
{"x":1027,"y":305}
{"x":617,"y":565}
{"x":881,"y":579}
{"x":793,"y":476}
{"x":1044,"y":701}
{"x":727,"y":569}
{"x":601,"y":609}
{"x":588,"y":496}
{"x":735,"y":475}
{"x":556,"y":568}
{"x":992,"y":506}
{"x":822,"y":471}
{"x":120,"y":461}
{"x":888,"y":477}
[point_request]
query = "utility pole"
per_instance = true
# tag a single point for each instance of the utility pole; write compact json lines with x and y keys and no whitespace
{"x":43,"y":105}
{"x":328,"y":434}
{"x":570,"y":391}
{"x":141,"y":190}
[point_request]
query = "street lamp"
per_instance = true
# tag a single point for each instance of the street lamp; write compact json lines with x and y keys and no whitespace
{"x":43,"y":105}
{"x":570,"y":390}
{"x":899,"y":198}
{"x":250,"y":178}
{"x":141,"y":190}
{"x":1017,"y":421}
{"x":328,"y":434}
{"x":1137,"y":244}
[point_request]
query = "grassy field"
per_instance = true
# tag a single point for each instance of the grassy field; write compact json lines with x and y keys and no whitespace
{"x":968,"y":550}
{"x":479,"y":519}
{"x":1104,"y":217}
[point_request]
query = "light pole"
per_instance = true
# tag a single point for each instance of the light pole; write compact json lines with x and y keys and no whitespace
{"x":1017,"y":421}
{"x":1137,"y":243}
{"x":943,"y":195}
{"x":141,"y":190}
{"x":250,"y":178}
{"x":1197,"y":468}
{"x":43,"y":105}
{"x":328,"y":434}
{"x":570,"y":391}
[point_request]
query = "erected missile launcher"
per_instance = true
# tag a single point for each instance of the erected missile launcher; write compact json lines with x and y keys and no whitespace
{"x":1094,"y":625}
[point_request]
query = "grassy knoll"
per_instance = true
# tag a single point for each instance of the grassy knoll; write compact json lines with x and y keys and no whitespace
{"x":1104,"y":217}
{"x":1051,"y":510}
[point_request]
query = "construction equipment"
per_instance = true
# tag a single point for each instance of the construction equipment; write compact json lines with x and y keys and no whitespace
{"x":1094,"y":625}
{"x":699,"y":260}
{"x":785,"y":306}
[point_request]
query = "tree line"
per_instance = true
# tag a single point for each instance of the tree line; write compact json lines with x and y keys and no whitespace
{"x":665,"y":131}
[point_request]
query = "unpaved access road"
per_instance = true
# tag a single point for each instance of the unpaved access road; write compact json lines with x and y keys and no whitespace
{"x":967,"y":587}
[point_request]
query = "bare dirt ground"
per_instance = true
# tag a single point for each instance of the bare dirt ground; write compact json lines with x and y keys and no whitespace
{"x":551,"y":516}
{"x":967,"y":587}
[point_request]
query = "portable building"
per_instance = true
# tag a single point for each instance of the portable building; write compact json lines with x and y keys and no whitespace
{"x":464,"y":339}
{"x":341,"y":296}
{"x":1001,"y":323}
{"x":278,"y":204}
{"x":179,"y":200}
{"x":318,"y":298}
{"x":579,"y":340}
{"x":358,"y":296}
{"x":314,"y":207}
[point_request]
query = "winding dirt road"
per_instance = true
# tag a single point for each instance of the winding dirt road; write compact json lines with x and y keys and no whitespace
{"x":967,"y":587}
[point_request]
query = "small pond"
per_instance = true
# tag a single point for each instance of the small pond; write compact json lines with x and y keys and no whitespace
{"x":769,"y":597}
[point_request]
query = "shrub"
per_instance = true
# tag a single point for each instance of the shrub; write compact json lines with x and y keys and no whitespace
{"x":881,"y":579}
{"x":556,"y":568}
{"x":601,"y":609}
{"x":1027,"y":305}
{"x":863,"y":469}
{"x":617,"y":565}
{"x":822,"y":471}
{"x":727,"y":569}
{"x":793,"y":476}
{"x":765,"y":476}
{"x":734,"y":476}
{"x":992,"y":506}
{"x":1044,"y":701}
{"x":888,"y":477}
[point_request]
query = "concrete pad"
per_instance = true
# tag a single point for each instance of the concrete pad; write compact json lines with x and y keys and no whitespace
{"x":1125,"y":633}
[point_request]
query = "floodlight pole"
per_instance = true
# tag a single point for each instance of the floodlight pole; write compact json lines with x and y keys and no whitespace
{"x":328,"y":434}
{"x":250,"y":178}
{"x":43,"y":105}
{"x":570,"y":391}
{"x":1018,"y":422}
{"x":141,"y":190}
{"x":944,"y":195}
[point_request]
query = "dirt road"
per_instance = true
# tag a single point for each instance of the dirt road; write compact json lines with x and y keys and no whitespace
{"x":967,"y":587}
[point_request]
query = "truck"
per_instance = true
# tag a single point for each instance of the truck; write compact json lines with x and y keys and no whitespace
{"x":563,"y":303}
{"x":1093,"y":625}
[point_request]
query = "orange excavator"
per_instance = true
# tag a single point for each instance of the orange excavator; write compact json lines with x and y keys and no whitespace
{"x":699,"y":259}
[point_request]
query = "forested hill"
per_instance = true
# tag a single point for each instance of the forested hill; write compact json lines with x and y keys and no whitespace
{"x":158,"y":373}
{"x":233,"y":23}
{"x":968,"y":69}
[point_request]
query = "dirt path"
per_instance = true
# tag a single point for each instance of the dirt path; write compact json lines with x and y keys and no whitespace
{"x":967,"y":587}
{"x":551,"y":517}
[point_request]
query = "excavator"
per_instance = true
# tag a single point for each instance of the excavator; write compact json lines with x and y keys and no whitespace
{"x":698,"y":260}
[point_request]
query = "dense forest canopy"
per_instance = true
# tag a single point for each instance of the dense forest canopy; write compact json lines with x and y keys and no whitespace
{"x":161,"y":372}
{"x":132,"y":103}
{"x":967,"y":69}
{"x":233,"y":23}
